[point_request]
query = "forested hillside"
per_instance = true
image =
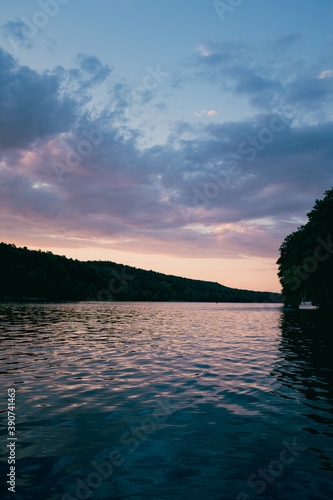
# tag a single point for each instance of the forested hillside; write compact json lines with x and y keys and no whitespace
{"x":34,"y":274}
{"x":306,"y":262}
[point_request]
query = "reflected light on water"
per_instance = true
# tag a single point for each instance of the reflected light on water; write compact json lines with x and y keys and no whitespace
{"x":235,"y":381}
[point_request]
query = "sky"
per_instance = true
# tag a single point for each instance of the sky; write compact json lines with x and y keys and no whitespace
{"x":189,"y":137}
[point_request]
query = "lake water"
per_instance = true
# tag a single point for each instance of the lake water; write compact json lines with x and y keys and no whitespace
{"x":168,"y":401}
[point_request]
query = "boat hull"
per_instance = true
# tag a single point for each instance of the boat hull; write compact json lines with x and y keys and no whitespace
{"x":307,"y":305}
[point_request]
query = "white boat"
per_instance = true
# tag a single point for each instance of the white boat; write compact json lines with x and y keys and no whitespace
{"x":307,"y":305}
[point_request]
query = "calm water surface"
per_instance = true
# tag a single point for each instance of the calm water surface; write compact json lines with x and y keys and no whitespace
{"x":168,"y":401}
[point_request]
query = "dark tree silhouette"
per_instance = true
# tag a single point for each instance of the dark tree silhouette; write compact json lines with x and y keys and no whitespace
{"x":306,"y":262}
{"x":27,"y":274}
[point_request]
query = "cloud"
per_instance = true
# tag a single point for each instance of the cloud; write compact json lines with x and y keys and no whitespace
{"x":205,"y":113}
{"x":161,"y":106}
{"x":35,"y":106}
{"x":148,"y":201}
{"x":51,"y":45}
{"x":18,"y":33}
{"x":212,"y":189}
{"x":31,"y":105}
{"x":203,"y":51}
{"x":92,"y":66}
{"x":325,"y":74}
{"x":269,"y":75}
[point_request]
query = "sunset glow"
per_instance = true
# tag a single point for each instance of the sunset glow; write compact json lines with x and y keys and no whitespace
{"x":193,"y":154}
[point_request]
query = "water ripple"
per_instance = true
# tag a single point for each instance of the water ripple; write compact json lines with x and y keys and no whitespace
{"x":222,"y":387}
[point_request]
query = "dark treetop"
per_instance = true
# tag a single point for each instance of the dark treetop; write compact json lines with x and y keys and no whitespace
{"x":28,"y":274}
{"x":306,"y":262}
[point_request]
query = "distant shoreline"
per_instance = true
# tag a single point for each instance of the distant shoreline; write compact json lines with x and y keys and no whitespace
{"x":46,"y":301}
{"x":36,"y":276}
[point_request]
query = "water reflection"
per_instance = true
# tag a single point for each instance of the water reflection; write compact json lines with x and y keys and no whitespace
{"x":238,"y":380}
{"x":304,"y":371}
{"x":306,"y":361}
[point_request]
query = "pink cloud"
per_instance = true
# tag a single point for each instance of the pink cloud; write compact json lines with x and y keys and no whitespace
{"x":203,"y":51}
{"x":325,"y":74}
{"x":205,"y":113}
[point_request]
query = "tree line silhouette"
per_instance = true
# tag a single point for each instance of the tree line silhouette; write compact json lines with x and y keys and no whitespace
{"x":29,"y":274}
{"x":306,"y":262}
